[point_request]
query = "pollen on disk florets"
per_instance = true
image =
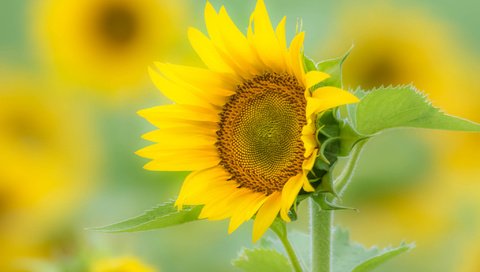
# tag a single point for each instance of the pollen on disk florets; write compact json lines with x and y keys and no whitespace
{"x":259,"y":136}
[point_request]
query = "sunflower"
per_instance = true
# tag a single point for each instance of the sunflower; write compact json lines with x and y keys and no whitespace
{"x":245,"y":125}
{"x":125,"y":264}
{"x":397,"y":51}
{"x":104,"y":44}
{"x":46,"y":165}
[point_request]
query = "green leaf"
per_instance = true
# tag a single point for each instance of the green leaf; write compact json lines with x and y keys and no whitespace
{"x":333,"y":67}
{"x":381,"y":258}
{"x":309,"y":64}
{"x":261,"y":259}
{"x":404,"y":106}
{"x":164,"y":215}
{"x":349,"y":256}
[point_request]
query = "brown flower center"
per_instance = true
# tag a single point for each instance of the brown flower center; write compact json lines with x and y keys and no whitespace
{"x":116,"y":24}
{"x":259,"y":139}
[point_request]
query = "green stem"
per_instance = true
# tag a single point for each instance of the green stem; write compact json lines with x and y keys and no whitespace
{"x":282,"y":235}
{"x":321,"y":221}
{"x":342,"y":181}
{"x":321,"y":227}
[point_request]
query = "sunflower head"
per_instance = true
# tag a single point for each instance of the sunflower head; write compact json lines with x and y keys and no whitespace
{"x":36,"y":133}
{"x":104,"y":44}
{"x":245,"y":125}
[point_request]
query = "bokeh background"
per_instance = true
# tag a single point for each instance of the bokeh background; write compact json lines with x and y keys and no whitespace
{"x":74,"y":73}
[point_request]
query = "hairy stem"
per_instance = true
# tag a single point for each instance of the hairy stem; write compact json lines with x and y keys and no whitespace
{"x":282,"y":235}
{"x":321,"y":227}
{"x":343,"y":180}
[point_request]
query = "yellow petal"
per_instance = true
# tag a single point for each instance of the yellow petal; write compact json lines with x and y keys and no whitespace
{"x":224,"y":208}
{"x":310,"y":161}
{"x":326,"y":98}
{"x":310,"y":143}
{"x":309,"y":128}
{"x":295,"y":57}
{"x":169,"y":140}
{"x":173,"y":91}
{"x":237,"y":45}
{"x":309,"y":138}
{"x":314,"y":77}
{"x":307,"y":166}
{"x":207,"y":52}
{"x":282,"y":36}
{"x":166,"y":113}
{"x":266,"y":214}
{"x":213,"y":193}
{"x":196,"y":183}
{"x":179,"y":123}
{"x":289,"y":193}
{"x":204,"y":79}
{"x":265,"y":40}
{"x":205,"y":135}
{"x":212,"y":24}
{"x":204,"y":96}
{"x":180,"y":160}
{"x":220,"y":207}
{"x":239,"y":214}
{"x":250,"y":30}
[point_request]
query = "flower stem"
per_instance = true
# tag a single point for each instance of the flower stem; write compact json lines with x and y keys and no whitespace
{"x":321,"y":221}
{"x":343,"y":180}
{"x":321,"y":227}
{"x":282,"y":235}
{"x":291,"y":254}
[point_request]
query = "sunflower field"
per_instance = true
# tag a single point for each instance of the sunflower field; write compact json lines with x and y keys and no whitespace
{"x":254,"y":135}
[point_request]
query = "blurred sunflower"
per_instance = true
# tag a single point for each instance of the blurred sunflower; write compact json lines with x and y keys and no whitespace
{"x":245,"y":125}
{"x":47,"y":158}
{"x":389,"y":49}
{"x":105,"y":44}
{"x":124,"y":264}
{"x":395,"y":45}
{"x":470,"y":262}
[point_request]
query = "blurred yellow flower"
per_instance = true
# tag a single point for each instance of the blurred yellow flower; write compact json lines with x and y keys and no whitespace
{"x":121,"y":264}
{"x":395,"y":45}
{"x":245,"y":125}
{"x":470,"y":261}
{"x":47,"y":162}
{"x":105,"y":44}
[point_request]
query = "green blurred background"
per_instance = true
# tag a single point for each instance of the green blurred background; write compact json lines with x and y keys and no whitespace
{"x":73,"y":75}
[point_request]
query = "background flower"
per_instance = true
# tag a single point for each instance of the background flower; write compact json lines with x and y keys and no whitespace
{"x":46,"y":164}
{"x":105,"y":44}
{"x":415,"y":205}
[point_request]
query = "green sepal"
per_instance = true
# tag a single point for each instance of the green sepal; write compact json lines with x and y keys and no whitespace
{"x":327,"y":184}
{"x":309,"y":64}
{"x":163,"y":215}
{"x":292,"y":213}
{"x":349,"y":137}
{"x":327,"y":136}
{"x":333,"y":67}
{"x":336,"y":137}
{"x":326,"y":202}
